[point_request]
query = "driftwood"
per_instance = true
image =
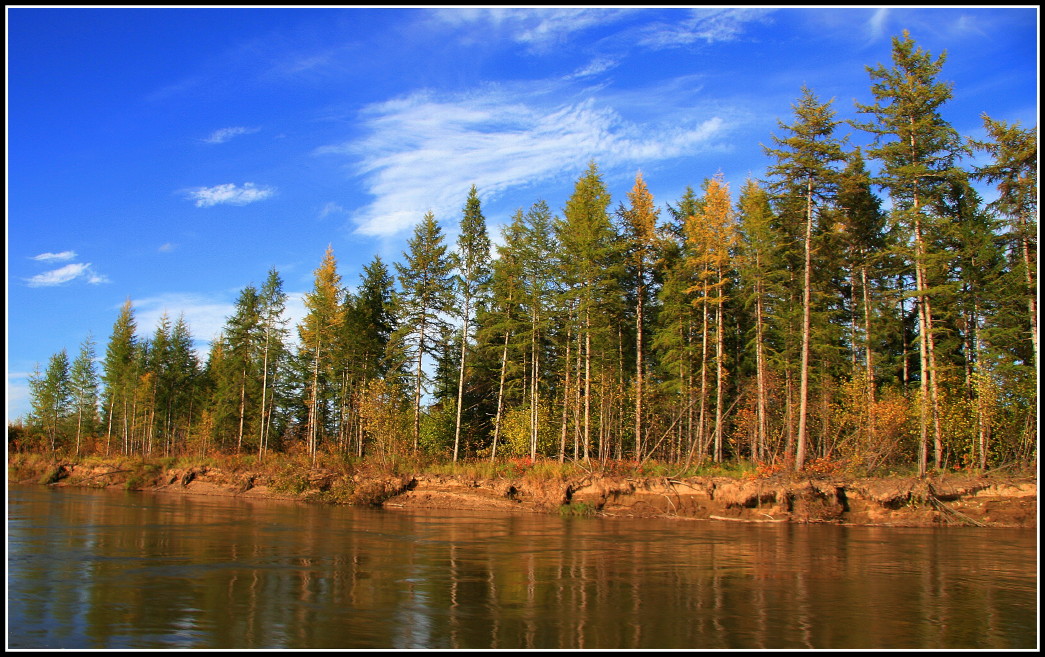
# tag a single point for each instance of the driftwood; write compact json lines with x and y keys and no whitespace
{"x":748,"y":519}
{"x":939,"y":505}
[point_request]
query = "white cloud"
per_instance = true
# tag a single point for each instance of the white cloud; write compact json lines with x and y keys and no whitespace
{"x":167,"y":247}
{"x":702,"y":25}
{"x":332,"y":208}
{"x":205,"y":315}
{"x":229,"y":194}
{"x":224,"y":134}
{"x":597,"y":66}
{"x":66,"y":274}
{"x":48,"y":257}
{"x":537,"y":28}
{"x":876,"y":26}
{"x":422,"y":153}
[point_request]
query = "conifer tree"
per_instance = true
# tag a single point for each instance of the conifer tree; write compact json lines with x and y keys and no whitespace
{"x":504,"y":319}
{"x":368,"y":326}
{"x":917,"y":150}
{"x":83,"y":380}
{"x":641,"y":233}
{"x":592,"y":270}
{"x":51,"y":399}
{"x":272,"y":304}
{"x":472,"y":281}
{"x":859,"y":237}
{"x":319,"y":332}
{"x":674,"y":336}
{"x":536,"y":258}
{"x":244,"y":339}
{"x":119,"y":374}
{"x":424,"y":298}
{"x":758,"y":243}
{"x":804,"y":168}
{"x":1013,"y":168}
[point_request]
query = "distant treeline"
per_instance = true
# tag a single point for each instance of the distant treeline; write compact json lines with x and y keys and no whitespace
{"x":793,"y":322}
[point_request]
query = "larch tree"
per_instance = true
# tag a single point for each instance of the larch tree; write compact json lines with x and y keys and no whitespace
{"x":83,"y":380}
{"x":118,"y":374}
{"x":536,"y":256}
{"x":272,"y":304}
{"x":318,"y":332}
{"x":861,"y":225}
{"x":592,"y":272}
{"x":503,"y":321}
{"x":757,"y":266}
{"x":805,"y":160}
{"x":51,"y":398}
{"x":472,"y":261}
{"x":710,"y":236}
{"x":917,"y":150}
{"x":423,"y":301}
{"x":641,"y":233}
{"x":1014,"y":169}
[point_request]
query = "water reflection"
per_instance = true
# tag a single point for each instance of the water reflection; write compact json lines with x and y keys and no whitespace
{"x":101,"y":569}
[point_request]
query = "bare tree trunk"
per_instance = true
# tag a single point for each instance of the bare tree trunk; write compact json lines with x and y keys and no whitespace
{"x":460,"y":377}
{"x":868,"y":354}
{"x":760,"y":377}
{"x":719,"y":376}
{"x":639,"y":366}
{"x":500,"y":397}
{"x":803,"y":386}
{"x":587,"y":383}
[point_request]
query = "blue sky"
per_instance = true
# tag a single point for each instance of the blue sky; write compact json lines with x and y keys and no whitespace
{"x":173,"y":156}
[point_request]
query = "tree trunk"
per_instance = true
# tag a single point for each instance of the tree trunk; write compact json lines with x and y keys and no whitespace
{"x":803,"y":386}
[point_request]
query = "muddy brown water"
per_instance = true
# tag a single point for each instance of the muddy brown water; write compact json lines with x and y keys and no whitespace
{"x":108,"y":569}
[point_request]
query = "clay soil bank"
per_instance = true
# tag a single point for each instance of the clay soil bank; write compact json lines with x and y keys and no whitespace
{"x":989,"y":500}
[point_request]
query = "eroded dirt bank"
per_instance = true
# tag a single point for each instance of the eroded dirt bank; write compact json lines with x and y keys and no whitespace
{"x":989,"y":500}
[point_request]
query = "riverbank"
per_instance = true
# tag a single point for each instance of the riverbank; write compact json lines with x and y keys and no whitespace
{"x":989,"y":500}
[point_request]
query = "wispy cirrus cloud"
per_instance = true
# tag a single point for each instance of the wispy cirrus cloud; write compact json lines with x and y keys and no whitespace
{"x":537,"y":28}
{"x":422,"y":152}
{"x":229,"y":194}
{"x":66,"y":274}
{"x":54,"y":257}
{"x":596,"y":67}
{"x":224,"y":134}
{"x":701,"y":25}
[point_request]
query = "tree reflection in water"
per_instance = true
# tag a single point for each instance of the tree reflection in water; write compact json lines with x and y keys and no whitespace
{"x":102,"y":569}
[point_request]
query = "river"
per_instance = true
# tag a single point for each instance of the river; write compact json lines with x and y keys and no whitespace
{"x":106,"y":569}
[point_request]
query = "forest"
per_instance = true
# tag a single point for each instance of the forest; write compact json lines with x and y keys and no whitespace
{"x":858,"y":306}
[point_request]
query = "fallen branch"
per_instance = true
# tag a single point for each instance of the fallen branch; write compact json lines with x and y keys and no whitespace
{"x":747,"y":519}
{"x":938,"y":504}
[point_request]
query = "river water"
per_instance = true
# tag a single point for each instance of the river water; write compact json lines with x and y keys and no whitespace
{"x":103,"y":569}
